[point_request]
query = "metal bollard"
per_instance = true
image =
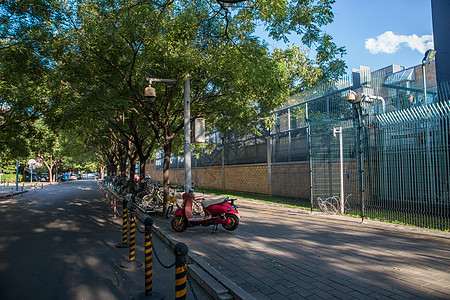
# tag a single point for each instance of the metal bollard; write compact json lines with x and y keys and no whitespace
{"x":125,"y":222}
{"x":132,"y":252}
{"x":148,"y":256}
{"x":180,"y":251}
{"x":132,"y":263}
{"x":124,"y":243}
{"x":114,"y":209}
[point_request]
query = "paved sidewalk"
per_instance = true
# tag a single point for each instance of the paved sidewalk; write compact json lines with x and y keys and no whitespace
{"x":6,"y":189}
{"x":284,"y":253}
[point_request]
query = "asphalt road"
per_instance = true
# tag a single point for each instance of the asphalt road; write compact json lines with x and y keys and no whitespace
{"x":59,"y":243}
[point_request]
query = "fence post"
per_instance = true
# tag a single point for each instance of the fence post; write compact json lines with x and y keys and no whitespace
{"x":180,"y":251}
{"x":12,"y":193}
{"x":357,"y":126}
{"x":132,"y":262}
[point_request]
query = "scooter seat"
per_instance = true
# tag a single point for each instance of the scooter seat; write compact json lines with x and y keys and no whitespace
{"x":210,"y":202}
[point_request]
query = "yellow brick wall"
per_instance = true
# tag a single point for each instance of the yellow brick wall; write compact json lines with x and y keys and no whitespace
{"x":291,"y":180}
{"x":248,"y":178}
{"x":288,"y":179}
{"x":209,"y":177}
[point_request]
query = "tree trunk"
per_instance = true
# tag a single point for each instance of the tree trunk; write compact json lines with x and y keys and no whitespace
{"x":50,"y":175}
{"x":123,"y":166}
{"x":132,"y":168}
{"x":142,"y":163}
{"x":100,"y":172}
{"x":166,"y":174}
{"x":49,"y":164}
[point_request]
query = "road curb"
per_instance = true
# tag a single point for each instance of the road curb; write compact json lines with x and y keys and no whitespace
{"x":193,"y":258}
{"x":14,"y":194}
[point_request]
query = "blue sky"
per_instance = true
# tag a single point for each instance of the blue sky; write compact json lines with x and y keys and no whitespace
{"x":379,"y":33}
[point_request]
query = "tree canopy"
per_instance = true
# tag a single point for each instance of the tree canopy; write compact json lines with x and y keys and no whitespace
{"x":85,"y":64}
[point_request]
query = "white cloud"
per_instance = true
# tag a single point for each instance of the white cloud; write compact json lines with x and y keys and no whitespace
{"x":389,"y":42}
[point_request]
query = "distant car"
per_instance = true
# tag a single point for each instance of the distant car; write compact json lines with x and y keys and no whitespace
{"x":35,"y":177}
{"x":73,"y":177}
{"x":44,"y":177}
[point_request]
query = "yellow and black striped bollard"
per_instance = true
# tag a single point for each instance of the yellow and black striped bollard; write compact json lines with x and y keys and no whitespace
{"x":132,"y":262}
{"x":124,"y":222}
{"x":148,"y":222}
{"x":132,"y":252}
{"x":124,"y":243}
{"x":180,"y":251}
{"x":148,"y":257}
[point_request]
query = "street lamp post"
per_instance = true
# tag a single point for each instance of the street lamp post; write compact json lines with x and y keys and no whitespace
{"x":151,"y":94}
{"x":31,"y":164}
{"x":187,"y":135}
{"x":17,"y":174}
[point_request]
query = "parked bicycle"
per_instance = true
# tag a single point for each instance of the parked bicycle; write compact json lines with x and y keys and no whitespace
{"x":332,"y":205}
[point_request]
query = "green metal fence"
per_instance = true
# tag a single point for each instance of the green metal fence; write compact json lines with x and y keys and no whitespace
{"x":391,"y":166}
{"x":387,"y":158}
{"x":409,"y":166}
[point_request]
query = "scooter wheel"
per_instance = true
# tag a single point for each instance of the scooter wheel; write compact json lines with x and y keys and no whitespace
{"x":179,"y":223}
{"x":234,"y":222}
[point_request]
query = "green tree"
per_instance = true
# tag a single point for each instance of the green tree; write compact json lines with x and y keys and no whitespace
{"x":113,"y":46}
{"x":46,"y":146}
{"x":27,"y":29}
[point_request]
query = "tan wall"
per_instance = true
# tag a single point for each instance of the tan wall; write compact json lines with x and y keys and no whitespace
{"x":288,"y":179}
{"x":248,"y":178}
{"x":209,"y":177}
{"x":291,"y":180}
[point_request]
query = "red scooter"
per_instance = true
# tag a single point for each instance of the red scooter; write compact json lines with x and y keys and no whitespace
{"x":215,"y":211}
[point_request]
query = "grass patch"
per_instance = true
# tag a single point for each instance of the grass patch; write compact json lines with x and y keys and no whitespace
{"x":375,"y":215}
{"x":301,"y":204}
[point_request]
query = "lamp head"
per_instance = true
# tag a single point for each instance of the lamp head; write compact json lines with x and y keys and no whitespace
{"x":352,"y":97}
{"x":429,"y":56}
{"x":150,"y":93}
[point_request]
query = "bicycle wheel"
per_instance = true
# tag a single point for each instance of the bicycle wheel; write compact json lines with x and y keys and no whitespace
{"x":335,"y":204}
{"x":197,"y":208}
{"x":347,"y":205}
{"x":330,"y":207}
{"x":321,"y":205}
{"x":147,"y":204}
{"x":326,"y":206}
{"x":152,"y":203}
{"x":169,"y":211}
